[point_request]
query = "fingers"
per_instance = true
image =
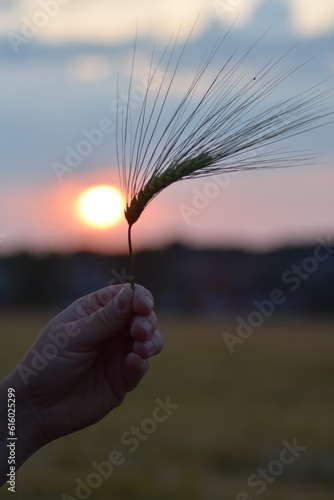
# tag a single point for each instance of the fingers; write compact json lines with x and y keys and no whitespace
{"x":106,"y":312}
{"x":105,"y":321}
{"x":135,"y":368}
{"x":136,"y":362}
{"x":142,"y":327}
{"x":143,"y":302}
{"x":150,"y":347}
{"x":148,"y":340}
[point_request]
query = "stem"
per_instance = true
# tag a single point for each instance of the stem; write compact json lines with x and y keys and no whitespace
{"x":132,"y":260}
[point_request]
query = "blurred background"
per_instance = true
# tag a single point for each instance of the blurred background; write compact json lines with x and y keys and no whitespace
{"x":242,"y":270}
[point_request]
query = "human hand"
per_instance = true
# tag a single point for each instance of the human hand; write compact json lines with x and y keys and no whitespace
{"x":85,"y":361}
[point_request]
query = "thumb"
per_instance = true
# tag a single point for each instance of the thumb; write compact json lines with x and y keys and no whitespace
{"x":107,"y":320}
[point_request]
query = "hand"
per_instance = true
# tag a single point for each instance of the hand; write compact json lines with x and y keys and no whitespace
{"x":85,"y":361}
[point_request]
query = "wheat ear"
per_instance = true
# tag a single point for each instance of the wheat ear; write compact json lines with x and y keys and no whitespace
{"x":160,"y":182}
{"x":219,"y":134}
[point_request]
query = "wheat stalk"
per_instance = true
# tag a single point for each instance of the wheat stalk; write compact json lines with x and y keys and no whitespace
{"x":219,"y":134}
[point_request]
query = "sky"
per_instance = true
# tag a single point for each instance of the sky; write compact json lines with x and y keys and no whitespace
{"x":60,"y":61}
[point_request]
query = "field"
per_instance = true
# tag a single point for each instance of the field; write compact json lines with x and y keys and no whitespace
{"x":233,"y":416}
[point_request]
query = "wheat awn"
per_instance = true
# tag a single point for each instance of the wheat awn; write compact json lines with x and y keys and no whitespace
{"x":219,"y":131}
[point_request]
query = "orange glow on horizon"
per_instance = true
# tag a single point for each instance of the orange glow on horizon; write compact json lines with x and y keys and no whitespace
{"x":100,"y":206}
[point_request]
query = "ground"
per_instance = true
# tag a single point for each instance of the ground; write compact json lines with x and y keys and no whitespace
{"x":228,"y":433}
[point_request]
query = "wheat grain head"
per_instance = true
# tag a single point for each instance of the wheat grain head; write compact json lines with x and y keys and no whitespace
{"x":216,"y":132}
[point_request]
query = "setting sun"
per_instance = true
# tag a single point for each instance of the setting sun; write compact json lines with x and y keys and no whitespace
{"x":100,"y":206}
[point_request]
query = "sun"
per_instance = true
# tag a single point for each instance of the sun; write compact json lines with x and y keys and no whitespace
{"x":100,"y":206}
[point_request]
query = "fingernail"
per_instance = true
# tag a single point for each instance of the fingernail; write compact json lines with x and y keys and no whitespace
{"x":150,"y":347}
{"x":147,"y":327}
{"x":149,"y":302}
{"x":122,"y":299}
{"x":143,"y":363}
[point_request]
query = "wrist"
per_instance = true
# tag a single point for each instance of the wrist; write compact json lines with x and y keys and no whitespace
{"x":25,"y":435}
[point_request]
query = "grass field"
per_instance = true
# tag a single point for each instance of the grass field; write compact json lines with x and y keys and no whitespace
{"x":236,"y":413}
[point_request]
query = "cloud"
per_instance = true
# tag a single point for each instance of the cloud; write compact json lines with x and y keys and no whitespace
{"x":104,"y":21}
{"x":8,"y":5}
{"x":239,"y":11}
{"x":310,"y":19}
{"x":89,"y":67}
